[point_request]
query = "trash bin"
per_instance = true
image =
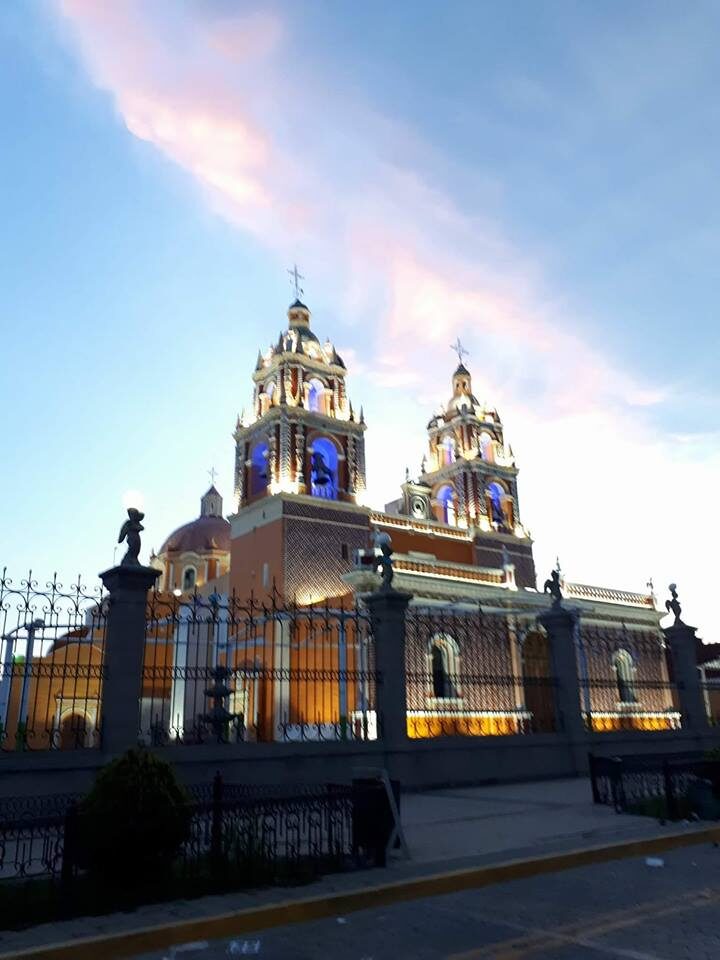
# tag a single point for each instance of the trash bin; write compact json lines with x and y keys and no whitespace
{"x":373,"y":820}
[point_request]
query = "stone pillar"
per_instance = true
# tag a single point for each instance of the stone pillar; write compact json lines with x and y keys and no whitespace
{"x":387,"y":614}
{"x":124,"y":654}
{"x":561,"y":625}
{"x":683,"y":649}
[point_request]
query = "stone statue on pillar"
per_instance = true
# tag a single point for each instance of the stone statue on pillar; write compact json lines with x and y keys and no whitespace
{"x":130,"y":531}
{"x":385,"y":566}
{"x":673,"y":606}
{"x":552,"y":586}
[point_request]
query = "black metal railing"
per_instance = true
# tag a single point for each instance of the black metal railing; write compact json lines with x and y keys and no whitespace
{"x":239,"y":837}
{"x":625,"y":680}
{"x":52,"y":641}
{"x":711,"y":695}
{"x":471,"y":673}
{"x":220,"y":670}
{"x":669,"y":786}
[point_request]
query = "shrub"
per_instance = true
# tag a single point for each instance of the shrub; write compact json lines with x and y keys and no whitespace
{"x":134,"y":820}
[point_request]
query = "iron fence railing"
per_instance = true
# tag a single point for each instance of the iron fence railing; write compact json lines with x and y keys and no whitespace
{"x":669,"y":786}
{"x":711,"y":696}
{"x":220,"y":670}
{"x":625,"y":680}
{"x":239,"y":837}
{"x":52,"y":640}
{"x":472,"y":673}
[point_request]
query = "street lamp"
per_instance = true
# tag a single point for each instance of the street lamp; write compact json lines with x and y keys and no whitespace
{"x":6,"y":678}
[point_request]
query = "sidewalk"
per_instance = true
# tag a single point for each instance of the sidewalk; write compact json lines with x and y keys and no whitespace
{"x":445,"y":830}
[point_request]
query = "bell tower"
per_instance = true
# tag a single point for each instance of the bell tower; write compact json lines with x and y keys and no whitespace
{"x":303,"y":436}
{"x":299,"y":470}
{"x":468,"y":479}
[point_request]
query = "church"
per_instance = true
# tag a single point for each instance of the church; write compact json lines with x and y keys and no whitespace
{"x":270,"y":591}
{"x":299,"y":514}
{"x":300,"y":522}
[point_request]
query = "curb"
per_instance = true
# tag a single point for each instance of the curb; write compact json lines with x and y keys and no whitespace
{"x":158,"y":937}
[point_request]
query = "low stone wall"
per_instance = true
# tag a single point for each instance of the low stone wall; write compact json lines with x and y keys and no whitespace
{"x":419,"y":764}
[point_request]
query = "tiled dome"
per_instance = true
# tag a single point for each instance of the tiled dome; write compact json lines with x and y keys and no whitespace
{"x":205,"y":533}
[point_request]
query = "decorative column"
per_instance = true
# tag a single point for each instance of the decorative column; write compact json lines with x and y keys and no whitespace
{"x":284,"y":472}
{"x":300,"y":456}
{"x":388,"y":608}
{"x":272,"y":458}
{"x":462,"y":510}
{"x":181,"y":640}
{"x":240,"y":458}
{"x":360,"y":481}
{"x":683,"y":650}
{"x":351,"y":465}
{"x":127,"y":585}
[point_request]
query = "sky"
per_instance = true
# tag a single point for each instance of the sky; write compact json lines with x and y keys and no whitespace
{"x":537,"y":179}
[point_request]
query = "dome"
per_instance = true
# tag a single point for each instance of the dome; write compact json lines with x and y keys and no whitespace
{"x":204,"y":533}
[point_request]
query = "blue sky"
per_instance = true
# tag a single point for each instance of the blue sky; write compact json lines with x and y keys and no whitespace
{"x":539,"y":179}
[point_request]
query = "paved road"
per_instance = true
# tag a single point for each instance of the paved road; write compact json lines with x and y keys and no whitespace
{"x":625,"y":909}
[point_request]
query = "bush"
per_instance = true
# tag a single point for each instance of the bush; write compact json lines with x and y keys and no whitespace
{"x":134,"y":820}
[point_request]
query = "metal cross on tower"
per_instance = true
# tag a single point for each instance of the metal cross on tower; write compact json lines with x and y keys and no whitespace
{"x":295,"y":279}
{"x":459,"y":349}
{"x":212,"y":473}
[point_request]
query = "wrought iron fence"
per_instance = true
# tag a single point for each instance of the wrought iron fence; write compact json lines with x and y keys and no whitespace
{"x":472,"y":673}
{"x":52,"y":640}
{"x":669,"y":786}
{"x":711,"y":695}
{"x":625,"y":679}
{"x":239,"y":837}
{"x":218,"y":669}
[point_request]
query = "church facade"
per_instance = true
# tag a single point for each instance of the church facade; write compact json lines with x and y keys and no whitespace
{"x":301,"y":520}
{"x":272,"y":593}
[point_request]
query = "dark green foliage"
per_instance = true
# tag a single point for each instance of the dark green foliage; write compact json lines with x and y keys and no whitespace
{"x":657,"y":807}
{"x":134,"y":820}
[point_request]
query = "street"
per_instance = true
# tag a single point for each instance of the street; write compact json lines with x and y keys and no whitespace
{"x":624,"y":909}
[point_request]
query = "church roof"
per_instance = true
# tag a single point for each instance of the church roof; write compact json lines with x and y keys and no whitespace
{"x":462,"y":369}
{"x":205,"y":533}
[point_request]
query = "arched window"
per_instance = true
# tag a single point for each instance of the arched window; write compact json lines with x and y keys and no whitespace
{"x":444,"y":667}
{"x":496,"y":495}
{"x":259,"y":477}
{"x":270,"y":391}
{"x":446,"y":504}
{"x":189,"y":578}
{"x":448,"y":448}
{"x":486,"y":447}
{"x":324,"y":469}
{"x":316,"y":389}
{"x":625,"y":676}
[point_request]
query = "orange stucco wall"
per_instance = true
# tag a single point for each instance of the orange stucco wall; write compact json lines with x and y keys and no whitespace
{"x":248,"y":554}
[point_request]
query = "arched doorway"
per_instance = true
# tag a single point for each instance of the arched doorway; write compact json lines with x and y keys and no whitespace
{"x":538,"y":688}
